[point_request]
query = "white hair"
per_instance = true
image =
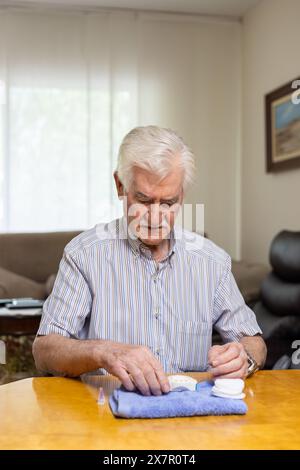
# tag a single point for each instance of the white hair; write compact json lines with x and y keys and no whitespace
{"x":154,"y":149}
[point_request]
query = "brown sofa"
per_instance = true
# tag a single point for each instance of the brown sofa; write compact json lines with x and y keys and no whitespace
{"x":29,"y":262}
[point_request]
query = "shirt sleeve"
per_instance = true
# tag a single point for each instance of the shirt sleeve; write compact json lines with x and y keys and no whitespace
{"x":68,"y":306}
{"x":233,"y":319}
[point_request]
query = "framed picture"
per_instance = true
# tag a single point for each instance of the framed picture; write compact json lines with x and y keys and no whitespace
{"x":283,"y":128}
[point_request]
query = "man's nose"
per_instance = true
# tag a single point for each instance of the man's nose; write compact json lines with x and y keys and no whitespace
{"x":155,"y":216}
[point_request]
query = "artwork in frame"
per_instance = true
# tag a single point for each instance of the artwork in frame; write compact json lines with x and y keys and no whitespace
{"x":282,"y":107}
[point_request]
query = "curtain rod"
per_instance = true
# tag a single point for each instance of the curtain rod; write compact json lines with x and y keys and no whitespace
{"x":4,"y":5}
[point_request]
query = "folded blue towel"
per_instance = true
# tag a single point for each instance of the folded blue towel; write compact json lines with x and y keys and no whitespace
{"x":181,"y":402}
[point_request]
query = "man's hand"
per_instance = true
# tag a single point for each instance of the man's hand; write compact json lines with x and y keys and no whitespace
{"x":228,"y":361}
{"x":135,"y":366}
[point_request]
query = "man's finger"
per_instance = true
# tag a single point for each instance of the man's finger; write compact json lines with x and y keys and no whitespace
{"x":214,"y":352}
{"x":238,"y":374}
{"x":124,"y":377}
{"x":152,"y":380}
{"x":163,"y":380}
{"x":139,"y":379}
{"x":228,"y":355}
{"x":229,"y":367}
{"x":161,"y":376}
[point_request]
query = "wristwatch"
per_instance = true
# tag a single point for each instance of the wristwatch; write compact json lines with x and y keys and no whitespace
{"x":252,"y":365}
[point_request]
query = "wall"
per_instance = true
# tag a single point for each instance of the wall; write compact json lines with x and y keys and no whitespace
{"x":270,"y":202}
{"x":190,"y":73}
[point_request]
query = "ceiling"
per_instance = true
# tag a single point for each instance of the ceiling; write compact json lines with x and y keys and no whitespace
{"x":233,"y":8}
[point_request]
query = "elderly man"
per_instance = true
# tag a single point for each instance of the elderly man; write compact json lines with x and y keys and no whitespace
{"x":138,"y":297}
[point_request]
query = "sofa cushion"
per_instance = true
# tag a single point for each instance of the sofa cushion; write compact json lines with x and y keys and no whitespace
{"x":13,"y":285}
{"x":33,"y":255}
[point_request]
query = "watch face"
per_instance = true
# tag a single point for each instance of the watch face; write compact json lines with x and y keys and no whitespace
{"x":250,"y":361}
{"x":252,"y":365}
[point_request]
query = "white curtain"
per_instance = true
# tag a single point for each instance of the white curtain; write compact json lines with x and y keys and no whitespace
{"x":68,"y":96}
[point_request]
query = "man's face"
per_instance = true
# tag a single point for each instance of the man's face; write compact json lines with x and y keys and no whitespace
{"x":151,"y":206}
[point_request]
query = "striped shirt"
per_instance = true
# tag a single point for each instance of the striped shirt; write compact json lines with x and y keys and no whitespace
{"x":109,"y":287}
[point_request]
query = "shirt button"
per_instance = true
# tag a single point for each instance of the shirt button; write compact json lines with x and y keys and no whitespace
{"x":157,"y":352}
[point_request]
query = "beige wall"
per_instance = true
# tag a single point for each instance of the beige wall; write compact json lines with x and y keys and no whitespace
{"x":190,"y":78}
{"x":271,"y":51}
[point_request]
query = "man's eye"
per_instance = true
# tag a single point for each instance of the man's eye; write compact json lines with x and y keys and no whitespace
{"x":144,"y":202}
{"x":169,"y":204}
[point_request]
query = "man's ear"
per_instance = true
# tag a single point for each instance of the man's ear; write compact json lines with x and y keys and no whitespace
{"x":119,"y":185}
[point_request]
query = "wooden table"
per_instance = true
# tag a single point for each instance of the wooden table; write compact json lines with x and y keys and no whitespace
{"x":61,"y":413}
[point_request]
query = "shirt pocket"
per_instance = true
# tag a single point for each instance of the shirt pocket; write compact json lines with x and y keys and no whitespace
{"x":192,"y":343}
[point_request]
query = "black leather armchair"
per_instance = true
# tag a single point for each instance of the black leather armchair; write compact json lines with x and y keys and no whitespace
{"x":278,"y":311}
{"x":286,"y":362}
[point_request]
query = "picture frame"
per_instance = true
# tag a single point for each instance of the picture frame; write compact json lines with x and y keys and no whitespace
{"x":282,"y":114}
